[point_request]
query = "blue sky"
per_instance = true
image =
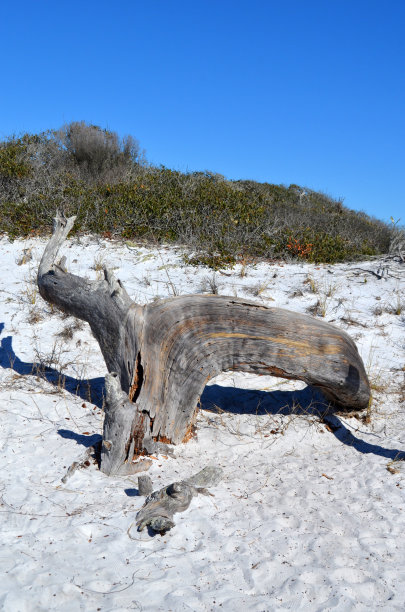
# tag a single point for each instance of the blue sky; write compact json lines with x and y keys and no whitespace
{"x":288,"y":91}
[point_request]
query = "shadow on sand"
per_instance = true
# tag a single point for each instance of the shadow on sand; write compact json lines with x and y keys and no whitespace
{"x":90,"y":390}
{"x":306,"y":402}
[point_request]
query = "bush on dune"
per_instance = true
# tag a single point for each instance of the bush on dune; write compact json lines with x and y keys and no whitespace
{"x":105,"y":181}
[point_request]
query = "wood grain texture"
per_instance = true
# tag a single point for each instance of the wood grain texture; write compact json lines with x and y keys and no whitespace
{"x":188,"y":340}
{"x":161,"y":356}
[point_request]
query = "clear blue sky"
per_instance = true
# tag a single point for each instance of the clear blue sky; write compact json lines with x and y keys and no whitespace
{"x":288,"y":91}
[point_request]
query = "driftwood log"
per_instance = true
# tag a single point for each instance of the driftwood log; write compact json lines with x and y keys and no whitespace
{"x":160,"y":356}
{"x":160,"y":506}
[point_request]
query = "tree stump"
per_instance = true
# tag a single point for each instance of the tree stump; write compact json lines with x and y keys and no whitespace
{"x":161,"y":356}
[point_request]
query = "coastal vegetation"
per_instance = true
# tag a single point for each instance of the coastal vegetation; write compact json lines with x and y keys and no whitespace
{"x":114,"y":192}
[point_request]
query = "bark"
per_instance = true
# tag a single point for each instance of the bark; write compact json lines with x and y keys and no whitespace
{"x":160,"y":356}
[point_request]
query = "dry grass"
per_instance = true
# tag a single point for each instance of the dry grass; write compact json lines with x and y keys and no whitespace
{"x":35,"y":315}
{"x":98,"y":266}
{"x":397,"y":306}
{"x":30,"y":292}
{"x":258,"y":289}
{"x":69,"y":330}
{"x":25,"y":257}
{"x":310,"y":281}
{"x":245,"y":261}
{"x":209,"y":284}
{"x":55,"y":359}
{"x":326,"y":292}
{"x":396,"y":465}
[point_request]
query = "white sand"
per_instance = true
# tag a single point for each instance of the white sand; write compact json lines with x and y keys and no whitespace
{"x":305,"y":518}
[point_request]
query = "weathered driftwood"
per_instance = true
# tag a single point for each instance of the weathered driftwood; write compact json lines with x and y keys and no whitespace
{"x":159,"y":507}
{"x":160,"y":356}
{"x":145,"y":486}
{"x":82,"y":463}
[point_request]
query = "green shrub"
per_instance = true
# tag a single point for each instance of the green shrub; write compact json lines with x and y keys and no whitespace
{"x":12,"y":165}
{"x":89,"y":172}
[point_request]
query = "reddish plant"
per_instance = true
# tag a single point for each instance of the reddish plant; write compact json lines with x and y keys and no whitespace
{"x":299,"y":249}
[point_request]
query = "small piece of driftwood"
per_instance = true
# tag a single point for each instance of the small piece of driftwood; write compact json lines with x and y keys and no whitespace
{"x":159,"y":507}
{"x":145,"y":486}
{"x":82,"y":463}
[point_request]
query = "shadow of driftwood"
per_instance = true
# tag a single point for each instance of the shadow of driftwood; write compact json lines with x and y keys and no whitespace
{"x":90,"y":390}
{"x":344,"y":435}
{"x":307,"y":401}
{"x":85,"y":441}
{"x":131,"y":492}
